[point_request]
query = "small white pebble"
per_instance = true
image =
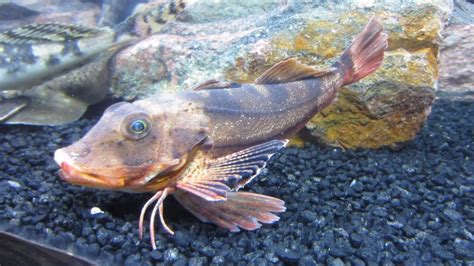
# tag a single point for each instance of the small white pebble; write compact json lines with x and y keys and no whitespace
{"x":96,"y":210}
{"x":354,"y":181}
{"x":14,"y":184}
{"x":468,"y":234}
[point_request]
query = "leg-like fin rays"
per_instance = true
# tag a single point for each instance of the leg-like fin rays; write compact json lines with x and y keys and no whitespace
{"x":142,"y":213}
{"x":159,"y":198}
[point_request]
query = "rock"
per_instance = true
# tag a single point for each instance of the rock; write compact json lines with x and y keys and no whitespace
{"x":237,"y":42}
{"x":441,"y":252}
{"x":286,"y":254}
{"x":457,"y":60}
{"x":306,"y":261}
{"x":171,"y":255}
{"x":197,"y":261}
{"x":389,"y":107}
{"x":453,"y":215}
{"x":14,"y":184}
{"x":464,"y":249}
{"x":336,"y":262}
{"x":102,"y":237}
{"x":356,"y":239}
{"x":218,"y":260}
{"x":183,"y":238}
{"x":308,"y":216}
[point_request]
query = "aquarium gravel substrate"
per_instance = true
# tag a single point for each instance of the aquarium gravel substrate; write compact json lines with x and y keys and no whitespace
{"x":366,"y":207}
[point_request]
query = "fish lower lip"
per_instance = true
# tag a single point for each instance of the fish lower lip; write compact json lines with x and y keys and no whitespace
{"x":72,"y":175}
{"x":75,"y":175}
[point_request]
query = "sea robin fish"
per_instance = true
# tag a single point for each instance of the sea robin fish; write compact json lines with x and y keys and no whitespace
{"x":203,"y":145}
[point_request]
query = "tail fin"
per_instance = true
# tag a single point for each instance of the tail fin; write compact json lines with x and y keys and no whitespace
{"x":365,"y":54}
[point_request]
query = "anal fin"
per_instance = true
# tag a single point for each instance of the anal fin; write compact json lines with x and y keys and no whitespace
{"x":290,"y":70}
{"x":241,"y":209}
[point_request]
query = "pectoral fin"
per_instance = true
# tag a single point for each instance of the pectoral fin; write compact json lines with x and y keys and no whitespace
{"x":240,"y":210}
{"x":213,"y":179}
{"x":205,"y":188}
{"x":288,"y":71}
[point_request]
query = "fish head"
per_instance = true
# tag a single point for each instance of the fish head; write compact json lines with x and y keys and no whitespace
{"x":132,"y":148}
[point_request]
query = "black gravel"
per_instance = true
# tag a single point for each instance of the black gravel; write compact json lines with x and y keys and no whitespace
{"x":415,"y":205}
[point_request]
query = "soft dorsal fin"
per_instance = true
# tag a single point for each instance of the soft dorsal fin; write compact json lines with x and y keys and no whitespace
{"x":213,"y":179}
{"x":290,"y":70}
{"x":46,"y":33}
{"x":211,"y":84}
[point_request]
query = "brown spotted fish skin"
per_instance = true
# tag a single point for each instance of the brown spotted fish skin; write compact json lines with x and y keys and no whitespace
{"x":203,"y":145}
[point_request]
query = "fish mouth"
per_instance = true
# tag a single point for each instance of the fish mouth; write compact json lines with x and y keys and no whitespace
{"x":155,"y":179}
{"x":74,"y":174}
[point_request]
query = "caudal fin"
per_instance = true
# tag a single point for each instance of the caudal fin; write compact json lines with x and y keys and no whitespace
{"x":365,"y":54}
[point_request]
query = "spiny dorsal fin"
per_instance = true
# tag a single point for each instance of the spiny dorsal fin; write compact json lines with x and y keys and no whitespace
{"x":290,"y":70}
{"x":213,"y":179}
{"x":211,"y":84}
{"x":46,"y":33}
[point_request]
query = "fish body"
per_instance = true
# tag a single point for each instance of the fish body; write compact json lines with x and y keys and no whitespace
{"x":250,"y":114}
{"x":203,"y":145}
{"x":61,"y":99}
{"x":33,"y":55}
{"x":29,"y":55}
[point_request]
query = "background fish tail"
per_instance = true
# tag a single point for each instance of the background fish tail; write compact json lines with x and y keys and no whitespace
{"x":365,"y":54}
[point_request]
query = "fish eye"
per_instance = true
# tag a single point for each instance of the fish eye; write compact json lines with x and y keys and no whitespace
{"x":136,"y":126}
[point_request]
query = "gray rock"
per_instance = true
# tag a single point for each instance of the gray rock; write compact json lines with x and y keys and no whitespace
{"x":456,"y":75}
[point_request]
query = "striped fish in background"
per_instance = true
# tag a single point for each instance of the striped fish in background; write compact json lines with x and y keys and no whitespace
{"x":51,"y":72}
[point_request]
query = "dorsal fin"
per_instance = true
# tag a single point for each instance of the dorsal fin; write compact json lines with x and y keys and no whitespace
{"x":46,"y":33}
{"x":212,"y":84}
{"x":290,"y":70}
